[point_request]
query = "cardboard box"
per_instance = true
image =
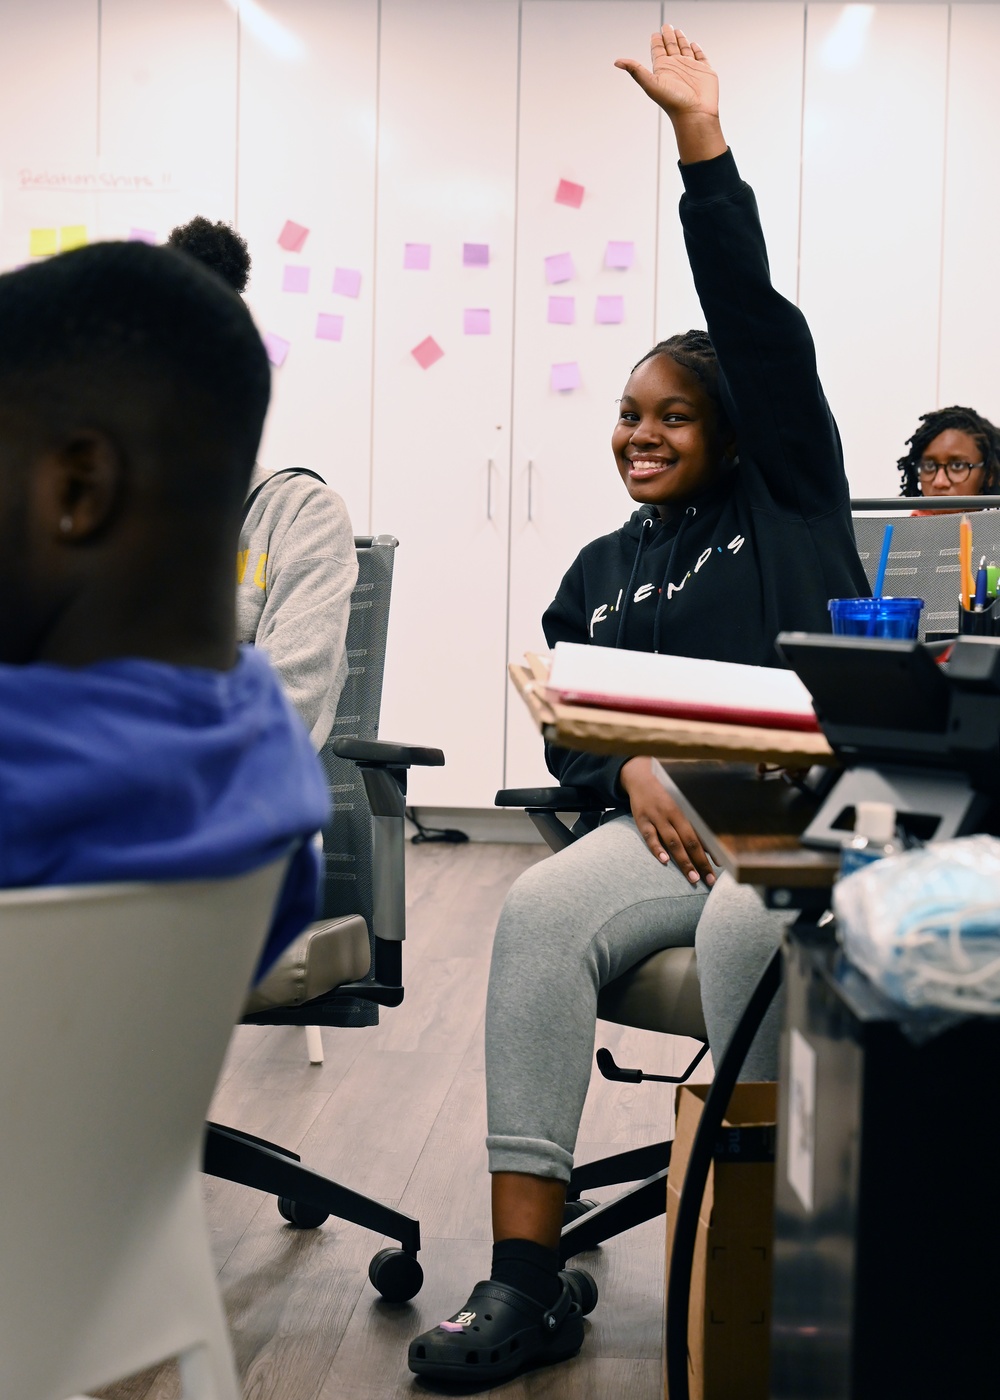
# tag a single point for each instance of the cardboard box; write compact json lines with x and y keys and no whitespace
{"x":729,"y":1322}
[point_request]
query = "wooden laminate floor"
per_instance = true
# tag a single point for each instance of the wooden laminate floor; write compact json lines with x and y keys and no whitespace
{"x":398,"y":1111}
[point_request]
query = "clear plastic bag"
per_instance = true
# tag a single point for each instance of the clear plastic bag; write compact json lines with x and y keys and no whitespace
{"x":925,"y":926}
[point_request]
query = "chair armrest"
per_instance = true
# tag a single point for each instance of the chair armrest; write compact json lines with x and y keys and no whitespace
{"x":551,"y":799}
{"x":380,"y":753}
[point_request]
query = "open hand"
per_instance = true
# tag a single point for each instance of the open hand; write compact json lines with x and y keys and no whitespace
{"x":661,"y":823}
{"x":682,"y":82}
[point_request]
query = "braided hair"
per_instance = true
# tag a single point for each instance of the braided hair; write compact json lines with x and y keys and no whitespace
{"x":217,"y":246}
{"x":694,"y":351}
{"x":963,"y":420}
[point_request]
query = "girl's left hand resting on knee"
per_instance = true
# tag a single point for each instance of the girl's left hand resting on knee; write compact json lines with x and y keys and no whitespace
{"x":662,"y":824}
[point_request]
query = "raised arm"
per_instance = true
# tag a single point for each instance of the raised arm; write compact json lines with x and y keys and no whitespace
{"x":766,"y":354}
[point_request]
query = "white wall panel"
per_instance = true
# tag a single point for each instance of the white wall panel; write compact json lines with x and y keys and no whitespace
{"x":447,"y":142}
{"x":873,"y":154}
{"x":970,"y":299}
{"x":583,"y":120}
{"x":757,"y":51}
{"x":307,"y":154}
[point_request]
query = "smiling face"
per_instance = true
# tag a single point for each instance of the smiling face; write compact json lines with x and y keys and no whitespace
{"x":668,"y":441}
{"x":953,"y":446}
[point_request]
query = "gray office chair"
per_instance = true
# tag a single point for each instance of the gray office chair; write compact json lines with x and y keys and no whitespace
{"x":347,"y":965}
{"x":661,"y":993}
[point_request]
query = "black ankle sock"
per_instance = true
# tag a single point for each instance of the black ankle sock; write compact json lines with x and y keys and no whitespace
{"x":528,"y":1266}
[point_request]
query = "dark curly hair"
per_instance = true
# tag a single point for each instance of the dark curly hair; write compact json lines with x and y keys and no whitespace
{"x":964,"y":420}
{"x":216,"y":245}
{"x":694,"y":351}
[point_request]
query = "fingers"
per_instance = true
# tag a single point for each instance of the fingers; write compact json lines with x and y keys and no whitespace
{"x":678,"y":843}
{"x":641,"y":75}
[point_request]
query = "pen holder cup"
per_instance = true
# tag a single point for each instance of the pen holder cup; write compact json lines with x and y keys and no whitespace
{"x":980,"y":624}
{"x":876,"y":617}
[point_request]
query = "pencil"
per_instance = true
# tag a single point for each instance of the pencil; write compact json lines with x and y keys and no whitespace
{"x":965,"y":560}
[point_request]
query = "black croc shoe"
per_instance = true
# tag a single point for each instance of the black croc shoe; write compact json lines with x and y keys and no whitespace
{"x":498,"y":1333}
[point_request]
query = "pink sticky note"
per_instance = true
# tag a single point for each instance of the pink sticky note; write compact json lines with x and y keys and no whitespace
{"x":292,"y":236}
{"x":329,"y":327}
{"x":569,"y":193}
{"x":559,"y":268}
{"x":277,"y":348}
{"x":477,"y":320}
{"x":347,"y":281}
{"x":142,"y":235}
{"x":562,"y":311}
{"x":475,"y":254}
{"x":619,"y":254}
{"x":295,"y":279}
{"x":610,"y":311}
{"x":427,"y":353}
{"x":566,"y":376}
{"x":417,"y":256}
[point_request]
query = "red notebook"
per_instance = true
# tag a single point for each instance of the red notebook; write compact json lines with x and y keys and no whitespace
{"x":680,"y":687}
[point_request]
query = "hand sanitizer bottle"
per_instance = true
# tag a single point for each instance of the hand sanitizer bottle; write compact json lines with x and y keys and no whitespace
{"x":874,"y":836}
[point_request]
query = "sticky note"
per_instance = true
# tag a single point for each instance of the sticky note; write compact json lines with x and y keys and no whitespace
{"x":295,"y":279}
{"x":569,"y":193}
{"x":42,"y":242}
{"x":610,"y":311}
{"x":72,"y":236}
{"x":329,"y":327}
{"x":277,"y":348}
{"x":559,"y":268}
{"x":347,"y":281}
{"x":477,"y":320}
{"x":417,"y":256}
{"x":292,"y":236}
{"x":475,"y":255}
{"x":566,"y":376}
{"x":427,"y":353}
{"x":562,"y":311}
{"x":619,"y":254}
{"x":142,"y":235}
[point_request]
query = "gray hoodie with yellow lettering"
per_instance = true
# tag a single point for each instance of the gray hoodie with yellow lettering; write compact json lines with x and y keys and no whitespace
{"x":295,"y":571}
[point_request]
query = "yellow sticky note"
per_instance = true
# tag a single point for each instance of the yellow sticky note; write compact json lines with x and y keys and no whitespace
{"x":43,"y":242}
{"x":72,"y":236}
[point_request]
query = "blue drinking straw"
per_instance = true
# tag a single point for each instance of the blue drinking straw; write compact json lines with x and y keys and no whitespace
{"x":883,"y":562}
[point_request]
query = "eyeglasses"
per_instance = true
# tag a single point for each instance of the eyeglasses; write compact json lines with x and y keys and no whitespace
{"x":957,"y":471}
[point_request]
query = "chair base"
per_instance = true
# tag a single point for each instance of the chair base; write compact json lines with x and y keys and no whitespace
{"x":643,"y":1202}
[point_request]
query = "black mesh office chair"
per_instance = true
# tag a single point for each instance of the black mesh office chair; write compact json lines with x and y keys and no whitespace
{"x":347,"y":965}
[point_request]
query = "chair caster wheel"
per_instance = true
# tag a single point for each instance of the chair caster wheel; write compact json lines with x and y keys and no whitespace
{"x":583,"y":1287}
{"x":572,"y":1210}
{"x":303,"y":1217}
{"x":396,"y":1275}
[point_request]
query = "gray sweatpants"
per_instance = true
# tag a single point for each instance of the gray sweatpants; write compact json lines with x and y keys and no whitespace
{"x":569,"y":925}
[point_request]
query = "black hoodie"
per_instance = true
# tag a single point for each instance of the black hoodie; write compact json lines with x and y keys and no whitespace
{"x":763,"y":551}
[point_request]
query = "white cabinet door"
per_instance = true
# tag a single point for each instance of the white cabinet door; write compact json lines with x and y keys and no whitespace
{"x":441,"y":434}
{"x":872,"y":173}
{"x":970,"y":299}
{"x":306,"y":156}
{"x":584,"y":121}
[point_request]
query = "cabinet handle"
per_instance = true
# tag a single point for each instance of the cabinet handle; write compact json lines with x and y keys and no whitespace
{"x":489,"y":489}
{"x":531,"y":475}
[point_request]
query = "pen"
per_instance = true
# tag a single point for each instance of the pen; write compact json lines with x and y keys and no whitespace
{"x":981,"y":585}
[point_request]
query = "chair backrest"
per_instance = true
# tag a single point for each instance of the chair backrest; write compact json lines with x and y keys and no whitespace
{"x":347,"y":838}
{"x":923,"y":558}
{"x":116,"y":1006}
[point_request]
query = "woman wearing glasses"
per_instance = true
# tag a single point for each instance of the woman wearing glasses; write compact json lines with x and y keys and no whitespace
{"x":954,"y":452}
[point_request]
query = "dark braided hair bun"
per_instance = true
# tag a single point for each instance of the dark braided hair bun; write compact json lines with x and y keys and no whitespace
{"x":963,"y":420}
{"x":218,"y":246}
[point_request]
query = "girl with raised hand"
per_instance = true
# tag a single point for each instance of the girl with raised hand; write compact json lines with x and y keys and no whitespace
{"x":727,"y":445}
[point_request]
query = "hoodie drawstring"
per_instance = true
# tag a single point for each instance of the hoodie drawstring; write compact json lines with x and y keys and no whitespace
{"x":689,"y":514}
{"x":645,"y":530}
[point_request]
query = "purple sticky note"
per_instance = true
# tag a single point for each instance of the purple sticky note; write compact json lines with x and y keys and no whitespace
{"x":610,"y":311}
{"x":475,"y":255}
{"x":566,"y":376}
{"x":562,"y":311}
{"x":427,"y":353}
{"x":477,"y":320}
{"x":569,"y":193}
{"x":329,"y":327}
{"x":619,"y":254}
{"x":292,"y":236}
{"x":417,"y":256}
{"x":295,"y":279}
{"x":347,"y":281}
{"x":277,"y":348}
{"x":559,"y":268}
{"x":142,"y":235}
